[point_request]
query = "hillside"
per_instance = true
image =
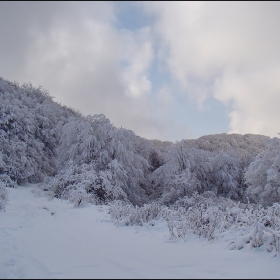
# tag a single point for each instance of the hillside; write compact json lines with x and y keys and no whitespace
{"x":88,"y":159}
{"x":92,"y":180}
{"x":242,"y":144}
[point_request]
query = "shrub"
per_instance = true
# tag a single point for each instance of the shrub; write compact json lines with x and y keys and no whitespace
{"x":3,"y":196}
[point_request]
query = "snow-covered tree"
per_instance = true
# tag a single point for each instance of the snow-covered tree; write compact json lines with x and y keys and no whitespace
{"x":40,"y":139}
{"x":113,"y":151}
{"x":225,"y":175}
{"x":263,"y":175}
{"x":29,"y":131}
{"x":174,"y":179}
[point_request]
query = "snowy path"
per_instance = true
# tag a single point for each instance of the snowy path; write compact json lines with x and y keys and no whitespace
{"x":52,"y":239}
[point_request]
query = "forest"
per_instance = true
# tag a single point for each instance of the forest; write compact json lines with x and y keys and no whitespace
{"x":209,"y":185}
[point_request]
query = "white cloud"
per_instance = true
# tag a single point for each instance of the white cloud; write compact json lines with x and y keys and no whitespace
{"x":226,"y":50}
{"x":256,"y":95}
{"x":76,"y":54}
{"x":229,"y":50}
{"x":138,"y":56}
{"x":165,"y":97}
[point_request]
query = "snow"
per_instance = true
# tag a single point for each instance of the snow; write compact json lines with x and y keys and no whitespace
{"x":41,"y":238}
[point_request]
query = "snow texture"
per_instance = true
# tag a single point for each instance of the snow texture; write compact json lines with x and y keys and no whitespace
{"x":42,"y":238}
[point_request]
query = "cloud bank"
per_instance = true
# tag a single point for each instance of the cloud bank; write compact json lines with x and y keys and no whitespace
{"x":157,"y":79}
{"x":228,"y":50}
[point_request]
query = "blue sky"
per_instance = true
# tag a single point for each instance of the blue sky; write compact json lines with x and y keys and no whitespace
{"x":166,"y":70}
{"x":211,"y":118}
{"x":131,"y":15}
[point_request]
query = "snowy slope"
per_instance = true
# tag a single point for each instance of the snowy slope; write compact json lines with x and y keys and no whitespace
{"x":52,"y":239}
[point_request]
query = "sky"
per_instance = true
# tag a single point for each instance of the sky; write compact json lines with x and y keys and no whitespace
{"x":166,"y":70}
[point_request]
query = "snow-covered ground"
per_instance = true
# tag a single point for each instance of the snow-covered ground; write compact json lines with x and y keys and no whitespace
{"x":52,"y":239}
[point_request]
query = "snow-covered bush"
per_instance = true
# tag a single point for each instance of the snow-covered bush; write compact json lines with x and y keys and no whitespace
{"x":78,"y":195}
{"x":127,"y":214}
{"x":3,"y":196}
{"x":7,"y":181}
{"x":202,"y":214}
{"x":208,"y":198}
{"x":258,"y":235}
{"x":210,"y":217}
{"x":81,"y":184}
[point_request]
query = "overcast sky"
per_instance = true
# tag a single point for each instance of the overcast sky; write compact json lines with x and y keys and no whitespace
{"x":166,"y":70}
